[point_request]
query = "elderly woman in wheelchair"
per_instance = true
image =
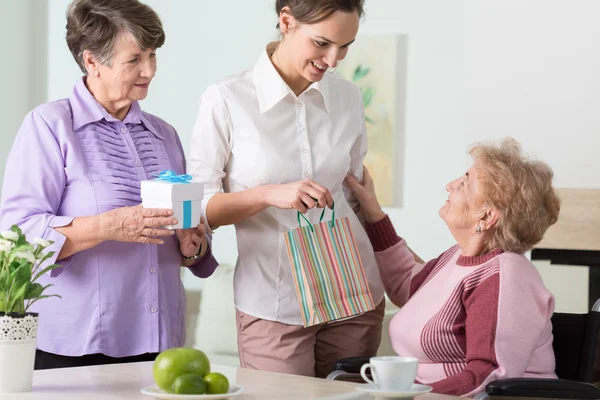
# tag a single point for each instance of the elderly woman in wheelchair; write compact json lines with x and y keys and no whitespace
{"x":479,"y":312}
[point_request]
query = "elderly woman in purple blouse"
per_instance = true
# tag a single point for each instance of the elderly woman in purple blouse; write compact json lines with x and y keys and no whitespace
{"x":73,"y":177}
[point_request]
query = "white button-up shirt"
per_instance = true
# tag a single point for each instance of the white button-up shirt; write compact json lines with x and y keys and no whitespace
{"x":253,"y":130}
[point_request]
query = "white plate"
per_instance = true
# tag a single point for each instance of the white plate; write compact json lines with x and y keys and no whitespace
{"x":415,"y":390}
{"x":158,"y":393}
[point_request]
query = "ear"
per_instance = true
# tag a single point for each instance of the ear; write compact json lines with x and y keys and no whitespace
{"x":489,"y":219}
{"x":91,"y":64}
{"x":286,"y":20}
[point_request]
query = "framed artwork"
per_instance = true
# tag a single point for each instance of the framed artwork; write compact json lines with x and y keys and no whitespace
{"x":377,"y":64}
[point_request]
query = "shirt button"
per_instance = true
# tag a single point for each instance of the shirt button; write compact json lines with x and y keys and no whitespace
{"x":153,"y":309}
{"x":300,"y":105}
{"x":301,"y":129}
{"x":307,"y":176}
{"x":138,"y":164}
{"x":305,"y":151}
{"x":153,"y":270}
{"x":123,"y":130}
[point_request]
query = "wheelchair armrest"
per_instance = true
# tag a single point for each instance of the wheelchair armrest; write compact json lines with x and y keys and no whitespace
{"x":345,"y":376}
{"x":546,"y":388}
{"x":350,"y":364}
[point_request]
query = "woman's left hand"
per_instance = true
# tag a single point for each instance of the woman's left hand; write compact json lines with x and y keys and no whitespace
{"x":365,"y":194}
{"x":191,"y":239}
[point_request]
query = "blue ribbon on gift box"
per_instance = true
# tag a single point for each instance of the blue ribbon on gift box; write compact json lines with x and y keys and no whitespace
{"x":172,"y":177}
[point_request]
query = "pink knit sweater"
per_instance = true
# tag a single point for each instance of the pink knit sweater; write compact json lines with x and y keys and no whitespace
{"x":469,"y":320}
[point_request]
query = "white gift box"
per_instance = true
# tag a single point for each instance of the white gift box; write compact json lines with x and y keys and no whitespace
{"x":185,"y":199}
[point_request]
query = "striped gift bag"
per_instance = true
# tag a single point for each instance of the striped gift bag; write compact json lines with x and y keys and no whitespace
{"x":328,"y":272}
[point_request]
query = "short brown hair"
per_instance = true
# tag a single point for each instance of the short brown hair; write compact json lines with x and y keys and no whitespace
{"x":315,"y":11}
{"x":520,"y":189}
{"x":95,"y":25}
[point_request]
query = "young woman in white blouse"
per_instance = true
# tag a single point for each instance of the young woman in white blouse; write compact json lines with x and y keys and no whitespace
{"x":277,"y":138}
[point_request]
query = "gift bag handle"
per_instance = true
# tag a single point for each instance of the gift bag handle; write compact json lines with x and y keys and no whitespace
{"x":320,"y":219}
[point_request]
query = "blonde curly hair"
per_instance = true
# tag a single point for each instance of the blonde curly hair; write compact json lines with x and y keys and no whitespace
{"x":520,"y":189}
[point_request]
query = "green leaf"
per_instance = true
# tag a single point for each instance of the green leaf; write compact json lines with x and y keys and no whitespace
{"x":20,"y":277}
{"x":4,"y":274}
{"x":22,"y":290}
{"x":17,"y":286}
{"x":367,"y":95}
{"x":21,"y":274}
{"x":369,"y":120}
{"x":47,"y":256}
{"x":14,"y":265}
{"x":43,"y":259}
{"x":44,"y":289}
{"x":41,"y":297}
{"x":42,"y":272}
{"x":17,"y":298}
{"x":34,"y":290}
{"x":360,"y":73}
{"x":22,"y":247}
{"x":22,"y":240}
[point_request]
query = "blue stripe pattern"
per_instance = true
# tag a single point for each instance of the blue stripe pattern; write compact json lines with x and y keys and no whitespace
{"x":187,"y":214}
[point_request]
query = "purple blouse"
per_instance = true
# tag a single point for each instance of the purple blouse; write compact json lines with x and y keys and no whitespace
{"x":70,"y":159}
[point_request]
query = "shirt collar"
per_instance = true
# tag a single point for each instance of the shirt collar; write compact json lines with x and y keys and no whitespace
{"x":87,"y":110}
{"x":270,"y":86}
{"x":149,"y":125}
{"x":85,"y":107}
{"x":322,"y":87}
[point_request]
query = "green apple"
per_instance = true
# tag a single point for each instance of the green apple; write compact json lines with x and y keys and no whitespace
{"x":189,"y":384}
{"x":178,"y":361}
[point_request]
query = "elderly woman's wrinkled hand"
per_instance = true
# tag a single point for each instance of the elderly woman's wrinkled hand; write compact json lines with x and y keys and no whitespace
{"x":191,"y":239}
{"x":137,"y":224}
{"x":365,"y":194}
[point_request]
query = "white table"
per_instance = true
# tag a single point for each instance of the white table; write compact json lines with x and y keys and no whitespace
{"x":124,"y":381}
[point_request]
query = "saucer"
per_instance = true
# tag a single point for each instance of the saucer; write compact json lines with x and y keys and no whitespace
{"x":415,"y":390}
{"x":158,"y":393}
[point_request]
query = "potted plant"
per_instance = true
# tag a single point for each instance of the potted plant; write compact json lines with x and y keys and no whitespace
{"x":21,"y":264}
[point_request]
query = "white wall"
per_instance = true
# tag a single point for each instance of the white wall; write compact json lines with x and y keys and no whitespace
{"x":532,"y":73}
{"x":434,"y":147}
{"x":209,"y":40}
{"x":526,"y":69}
{"x":23,"y":66}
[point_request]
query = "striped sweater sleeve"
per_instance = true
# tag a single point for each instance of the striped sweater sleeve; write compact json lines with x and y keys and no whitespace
{"x":507,"y":319}
{"x":396,"y":263}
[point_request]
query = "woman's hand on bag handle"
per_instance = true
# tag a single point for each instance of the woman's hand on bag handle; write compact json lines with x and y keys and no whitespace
{"x":137,"y":224}
{"x":301,"y":195}
{"x":365,"y":194}
{"x":235,"y":207}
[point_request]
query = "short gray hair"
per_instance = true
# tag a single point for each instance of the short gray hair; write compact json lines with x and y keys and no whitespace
{"x":95,"y":25}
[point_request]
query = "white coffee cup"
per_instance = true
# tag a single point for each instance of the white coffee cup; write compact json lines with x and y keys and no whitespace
{"x":391,"y":373}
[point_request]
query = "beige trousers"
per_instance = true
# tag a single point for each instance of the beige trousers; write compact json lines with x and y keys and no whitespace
{"x":293,"y":349}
